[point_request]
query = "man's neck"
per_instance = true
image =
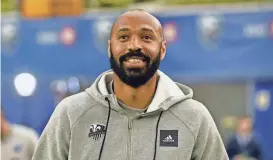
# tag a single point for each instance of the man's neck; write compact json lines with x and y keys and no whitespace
{"x":139,"y":97}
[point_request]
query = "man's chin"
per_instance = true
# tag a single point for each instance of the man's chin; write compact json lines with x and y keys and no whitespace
{"x":135,"y":71}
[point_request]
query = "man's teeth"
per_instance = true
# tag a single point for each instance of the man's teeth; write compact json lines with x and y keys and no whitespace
{"x":134,"y":60}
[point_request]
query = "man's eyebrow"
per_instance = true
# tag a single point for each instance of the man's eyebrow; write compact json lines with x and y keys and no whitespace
{"x":123,"y":30}
{"x":144,"y":29}
{"x":147,"y":30}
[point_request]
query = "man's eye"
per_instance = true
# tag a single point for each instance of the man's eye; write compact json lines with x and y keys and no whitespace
{"x":147,"y":37}
{"x":123,"y":37}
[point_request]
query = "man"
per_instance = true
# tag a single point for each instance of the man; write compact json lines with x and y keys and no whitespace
{"x":134,"y":112}
{"x":17,"y":142}
{"x":244,"y":143}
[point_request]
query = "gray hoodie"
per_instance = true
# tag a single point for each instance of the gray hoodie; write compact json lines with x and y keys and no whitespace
{"x":92,"y":126}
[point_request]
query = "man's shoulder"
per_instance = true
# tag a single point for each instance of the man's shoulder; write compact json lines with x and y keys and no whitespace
{"x":75,"y":105}
{"x":192,"y":108}
{"x":80,"y":100}
{"x":192,"y":113}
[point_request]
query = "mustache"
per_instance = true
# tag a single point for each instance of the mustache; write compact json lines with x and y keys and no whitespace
{"x":134,"y":54}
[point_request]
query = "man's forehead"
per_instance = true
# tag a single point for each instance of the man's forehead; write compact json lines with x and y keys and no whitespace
{"x":137,"y":19}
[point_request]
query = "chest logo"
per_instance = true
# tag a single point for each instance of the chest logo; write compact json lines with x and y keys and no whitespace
{"x":96,"y":131}
{"x":169,"y":138}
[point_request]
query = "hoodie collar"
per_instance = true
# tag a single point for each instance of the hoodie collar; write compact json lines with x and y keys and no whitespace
{"x":167,"y":92}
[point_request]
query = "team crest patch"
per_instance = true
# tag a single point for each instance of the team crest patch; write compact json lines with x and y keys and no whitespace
{"x":96,"y":131}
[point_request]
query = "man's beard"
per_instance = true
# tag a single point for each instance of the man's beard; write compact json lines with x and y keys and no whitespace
{"x":135,"y":77}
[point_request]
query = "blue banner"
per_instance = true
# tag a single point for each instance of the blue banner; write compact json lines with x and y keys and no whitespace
{"x":262,"y":96}
{"x":223,"y":46}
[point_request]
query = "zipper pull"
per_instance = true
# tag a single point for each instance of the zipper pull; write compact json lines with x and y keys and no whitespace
{"x":130,"y":124}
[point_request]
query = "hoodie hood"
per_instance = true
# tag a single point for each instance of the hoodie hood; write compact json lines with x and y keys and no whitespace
{"x":167,"y":93}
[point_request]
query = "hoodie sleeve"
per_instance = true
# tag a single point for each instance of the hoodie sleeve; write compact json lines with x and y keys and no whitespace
{"x":54,"y":141}
{"x":208,"y":144}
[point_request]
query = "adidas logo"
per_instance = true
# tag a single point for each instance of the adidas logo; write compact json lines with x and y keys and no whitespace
{"x":168,"y":139}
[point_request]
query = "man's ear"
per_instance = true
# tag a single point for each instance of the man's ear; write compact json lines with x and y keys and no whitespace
{"x":163,"y":50}
{"x":109,"y":48}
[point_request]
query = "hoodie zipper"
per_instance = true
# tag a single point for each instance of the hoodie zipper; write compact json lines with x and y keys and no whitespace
{"x":129,"y":145}
{"x":130,"y":128}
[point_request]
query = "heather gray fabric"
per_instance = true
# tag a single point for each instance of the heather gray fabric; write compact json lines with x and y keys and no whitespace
{"x":186,"y":130}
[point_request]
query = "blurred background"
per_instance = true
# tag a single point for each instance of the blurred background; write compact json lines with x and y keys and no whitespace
{"x":223,"y":49}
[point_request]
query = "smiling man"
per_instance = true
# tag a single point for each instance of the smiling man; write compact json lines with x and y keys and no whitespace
{"x":134,"y":111}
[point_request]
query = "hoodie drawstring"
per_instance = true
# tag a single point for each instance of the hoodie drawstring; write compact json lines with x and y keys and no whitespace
{"x":106,"y":127}
{"x":156,"y":133}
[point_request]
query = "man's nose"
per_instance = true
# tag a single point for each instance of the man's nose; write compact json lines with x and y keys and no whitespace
{"x":134,"y":44}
